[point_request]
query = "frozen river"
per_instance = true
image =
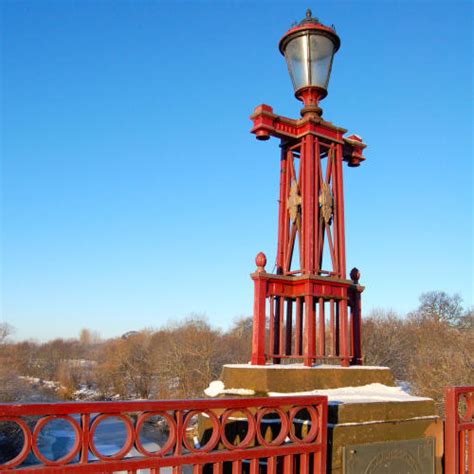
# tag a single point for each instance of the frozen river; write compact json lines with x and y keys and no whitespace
{"x":57,"y":438}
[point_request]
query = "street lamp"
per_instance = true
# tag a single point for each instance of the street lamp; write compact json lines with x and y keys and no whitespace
{"x":309,"y":297}
{"x":309,"y":49}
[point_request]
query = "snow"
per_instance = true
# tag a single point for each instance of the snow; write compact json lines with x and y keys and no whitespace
{"x":29,"y":379}
{"x":376,"y":422}
{"x":217,"y":388}
{"x":85,"y":363}
{"x":374,"y":392}
{"x":302,"y":366}
{"x":50,"y":384}
{"x":86,"y":393}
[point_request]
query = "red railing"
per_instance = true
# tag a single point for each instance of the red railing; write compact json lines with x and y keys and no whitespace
{"x":285,"y":434}
{"x":309,"y":318}
{"x":459,"y":430}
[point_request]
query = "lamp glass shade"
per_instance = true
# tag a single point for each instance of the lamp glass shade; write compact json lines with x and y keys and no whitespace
{"x":309,"y":57}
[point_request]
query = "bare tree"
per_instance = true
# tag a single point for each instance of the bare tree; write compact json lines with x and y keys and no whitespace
{"x":466,"y":323}
{"x":441,"y":356}
{"x":193,"y":356}
{"x":237,"y":342}
{"x":387,"y":341}
{"x":6,"y":330}
{"x":440,"y":307}
{"x":126,"y":366}
{"x":88,"y":337}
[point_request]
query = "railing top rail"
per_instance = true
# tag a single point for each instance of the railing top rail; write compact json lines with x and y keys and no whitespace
{"x":32,"y":409}
{"x":458,"y":389}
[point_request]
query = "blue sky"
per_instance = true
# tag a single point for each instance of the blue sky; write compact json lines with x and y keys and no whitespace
{"x":133,"y":193}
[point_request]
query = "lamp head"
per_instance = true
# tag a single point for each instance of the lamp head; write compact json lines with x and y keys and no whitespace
{"x":309,"y":49}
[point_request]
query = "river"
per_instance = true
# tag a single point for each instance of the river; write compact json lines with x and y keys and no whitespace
{"x":57,"y":438}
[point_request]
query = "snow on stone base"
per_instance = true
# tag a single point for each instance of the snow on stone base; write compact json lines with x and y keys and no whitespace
{"x":374,"y":392}
{"x":217,"y":388}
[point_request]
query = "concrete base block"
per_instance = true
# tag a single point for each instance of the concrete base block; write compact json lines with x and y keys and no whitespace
{"x":372,"y":423}
{"x":298,"y":378}
{"x":386,"y":425}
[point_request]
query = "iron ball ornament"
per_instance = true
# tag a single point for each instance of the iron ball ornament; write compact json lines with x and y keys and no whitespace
{"x":261,"y":261}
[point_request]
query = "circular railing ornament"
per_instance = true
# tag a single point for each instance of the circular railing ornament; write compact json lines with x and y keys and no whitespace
{"x":313,"y":431}
{"x":27,"y":443}
{"x":284,"y":426}
{"x":215,"y":436}
{"x":129,"y":440}
{"x":170,"y":442}
{"x":67,"y":457}
{"x":252,"y":426}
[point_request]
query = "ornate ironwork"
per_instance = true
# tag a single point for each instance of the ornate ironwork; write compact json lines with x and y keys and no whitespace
{"x":290,"y":442}
{"x":326,"y":201}
{"x":294,"y":202}
{"x":459,"y":430}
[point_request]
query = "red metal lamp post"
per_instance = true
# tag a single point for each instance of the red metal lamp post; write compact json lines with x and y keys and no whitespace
{"x":314,"y":311}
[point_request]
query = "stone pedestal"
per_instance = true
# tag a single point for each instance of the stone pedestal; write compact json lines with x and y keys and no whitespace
{"x":355,"y":429}
{"x":292,"y":378}
{"x":373,"y":424}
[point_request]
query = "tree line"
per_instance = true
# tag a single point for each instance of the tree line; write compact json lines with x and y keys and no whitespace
{"x":175,"y":361}
{"x":428,"y":349}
